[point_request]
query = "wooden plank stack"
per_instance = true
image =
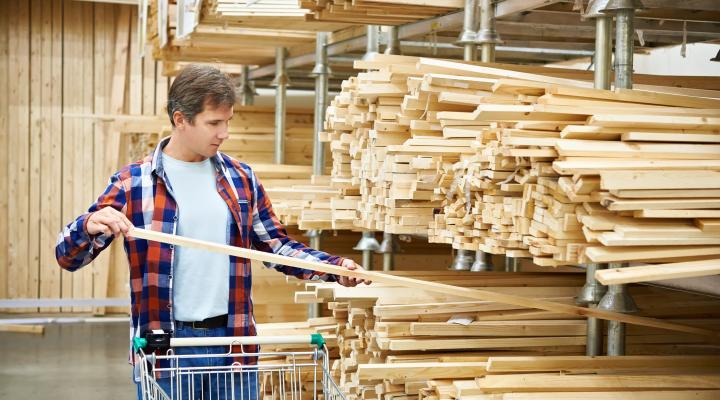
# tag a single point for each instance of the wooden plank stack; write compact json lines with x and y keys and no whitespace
{"x":530,"y":165}
{"x":394,"y":342}
{"x":376,"y":12}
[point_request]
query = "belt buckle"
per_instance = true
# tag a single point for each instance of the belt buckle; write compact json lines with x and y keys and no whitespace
{"x":197,"y":327}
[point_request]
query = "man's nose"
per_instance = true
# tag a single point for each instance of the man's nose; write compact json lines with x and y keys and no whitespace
{"x":223,"y":133}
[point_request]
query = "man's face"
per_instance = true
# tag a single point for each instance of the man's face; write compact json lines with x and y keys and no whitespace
{"x":207,"y":133}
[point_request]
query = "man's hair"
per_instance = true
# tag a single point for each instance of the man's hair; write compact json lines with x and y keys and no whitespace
{"x":198,"y":85}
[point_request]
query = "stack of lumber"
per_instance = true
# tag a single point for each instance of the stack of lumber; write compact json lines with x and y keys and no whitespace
{"x":567,"y":377}
{"x":530,"y":165}
{"x":392,"y":341}
{"x":376,"y":12}
{"x":281,"y":16}
{"x":230,"y":33}
{"x":384,"y":148}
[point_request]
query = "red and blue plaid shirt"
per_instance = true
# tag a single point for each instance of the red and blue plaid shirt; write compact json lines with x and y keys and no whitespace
{"x":142,"y":191}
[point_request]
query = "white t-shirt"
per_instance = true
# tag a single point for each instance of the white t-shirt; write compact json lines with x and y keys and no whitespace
{"x":201,"y":279}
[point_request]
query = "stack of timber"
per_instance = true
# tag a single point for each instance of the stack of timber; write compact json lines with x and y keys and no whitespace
{"x":530,"y":165}
{"x":568,"y":377}
{"x":229,"y":33}
{"x":539,"y":128}
{"x":383,"y":147}
{"x":377,"y":12}
{"x":393,"y":342}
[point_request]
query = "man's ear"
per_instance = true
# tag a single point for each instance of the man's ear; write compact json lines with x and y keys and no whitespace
{"x":179,"y":119}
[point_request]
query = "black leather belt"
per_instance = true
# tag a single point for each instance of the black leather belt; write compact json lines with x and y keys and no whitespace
{"x":208,"y":323}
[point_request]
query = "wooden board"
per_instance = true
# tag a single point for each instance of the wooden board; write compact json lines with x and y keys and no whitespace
{"x":413,"y":283}
{"x":650,"y":273}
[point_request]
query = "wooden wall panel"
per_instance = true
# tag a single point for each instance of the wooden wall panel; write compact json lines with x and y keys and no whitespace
{"x":51,"y":157}
{"x":57,"y":59}
{"x":18,"y":146}
{"x":4,"y":136}
{"x":36,"y":111}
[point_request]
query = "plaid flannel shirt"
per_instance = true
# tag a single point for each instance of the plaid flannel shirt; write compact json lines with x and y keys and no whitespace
{"x":143,"y":193}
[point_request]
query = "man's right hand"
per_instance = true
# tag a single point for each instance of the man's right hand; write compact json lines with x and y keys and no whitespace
{"x":108,"y":221}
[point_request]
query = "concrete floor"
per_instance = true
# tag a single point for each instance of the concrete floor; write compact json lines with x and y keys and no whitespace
{"x":70,"y":361}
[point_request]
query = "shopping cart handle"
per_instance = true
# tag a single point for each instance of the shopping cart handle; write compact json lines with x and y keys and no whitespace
{"x":153,"y":340}
{"x":162,"y":340}
{"x":317,"y":340}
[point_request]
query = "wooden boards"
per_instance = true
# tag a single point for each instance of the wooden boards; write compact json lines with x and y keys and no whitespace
{"x":414,"y":283}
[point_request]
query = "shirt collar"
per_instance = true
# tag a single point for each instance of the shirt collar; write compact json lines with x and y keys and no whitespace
{"x":157,"y":166}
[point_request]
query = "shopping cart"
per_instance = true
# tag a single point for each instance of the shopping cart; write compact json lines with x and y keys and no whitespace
{"x":278,"y":375}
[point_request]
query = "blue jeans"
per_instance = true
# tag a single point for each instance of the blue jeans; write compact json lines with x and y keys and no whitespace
{"x":207,"y":385}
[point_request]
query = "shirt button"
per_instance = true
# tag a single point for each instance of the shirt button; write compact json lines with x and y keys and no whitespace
{"x":175,"y":218}
{"x":172,"y":247}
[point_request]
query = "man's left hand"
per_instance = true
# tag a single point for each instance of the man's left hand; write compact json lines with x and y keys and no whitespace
{"x":351,"y":282}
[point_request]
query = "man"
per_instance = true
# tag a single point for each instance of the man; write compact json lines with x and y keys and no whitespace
{"x":187,"y":187}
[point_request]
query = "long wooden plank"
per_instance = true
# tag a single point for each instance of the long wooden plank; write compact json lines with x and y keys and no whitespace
{"x":501,"y":328}
{"x":74,"y":135}
{"x":51,"y":162}
{"x":416,"y":371}
{"x":414,"y":283}
{"x":36,"y":120}
{"x":85,"y":160}
{"x":601,"y":148}
{"x":677,"y":214}
{"x":597,"y":363}
{"x":632,"y":253}
{"x":654,"y":121}
{"x":614,"y":395}
{"x":651,"y":273}
{"x":571,"y":383}
{"x":457,"y":68}
{"x":18,"y":146}
{"x":4,"y":139}
{"x":104,"y":30}
{"x":69,"y":44}
{"x":17,"y":328}
{"x":690,"y":179}
{"x":407,"y":344}
{"x":637,"y":96}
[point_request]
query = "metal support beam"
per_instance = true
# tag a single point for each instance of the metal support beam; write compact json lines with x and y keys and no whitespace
{"x":603,"y":52}
{"x":439,"y":24}
{"x":393,"y":41}
{"x":589,"y":296}
{"x":388,"y":248}
{"x":281,"y":82}
{"x":469,"y":33}
{"x":321,"y":73}
{"x":512,"y":264}
{"x":368,"y":245}
{"x":372,"y":42}
{"x":483,"y":262}
{"x":487,"y":36}
{"x":247,"y":91}
{"x":624,"y":46}
{"x":463,"y":261}
{"x":617,"y":299}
